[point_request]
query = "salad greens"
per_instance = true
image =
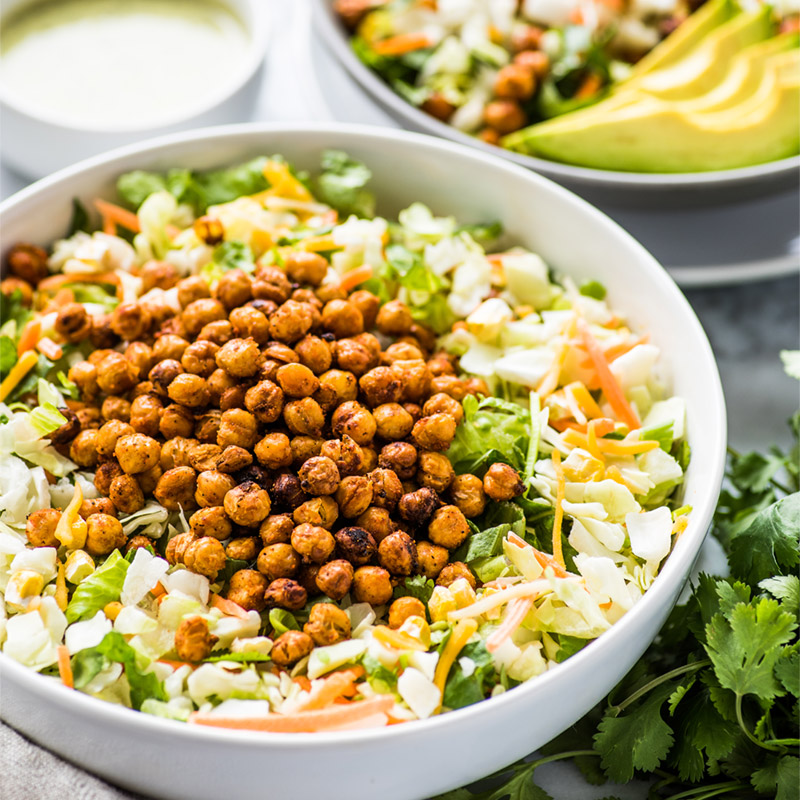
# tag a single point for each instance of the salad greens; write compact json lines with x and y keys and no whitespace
{"x":97,"y":590}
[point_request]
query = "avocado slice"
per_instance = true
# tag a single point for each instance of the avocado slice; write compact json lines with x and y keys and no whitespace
{"x":687,"y":36}
{"x":658,"y":136}
{"x":707,"y":65}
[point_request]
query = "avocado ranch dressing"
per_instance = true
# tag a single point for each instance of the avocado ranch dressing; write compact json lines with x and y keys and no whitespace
{"x":119,"y":63}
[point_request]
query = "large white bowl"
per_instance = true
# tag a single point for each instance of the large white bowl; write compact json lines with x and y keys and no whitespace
{"x":418,"y":759}
{"x":604,"y":187}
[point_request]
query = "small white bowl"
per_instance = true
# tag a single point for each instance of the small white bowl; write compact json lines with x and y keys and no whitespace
{"x":37,"y":141}
{"x":176,"y":761}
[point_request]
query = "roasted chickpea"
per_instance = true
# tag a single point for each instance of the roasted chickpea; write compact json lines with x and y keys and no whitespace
{"x":105,"y":474}
{"x":272,"y":284}
{"x":115,"y":374}
{"x":72,"y":323}
{"x":313,"y":543}
{"x":103,"y":534}
{"x":380,"y":385}
{"x":370,"y":459}
{"x":219,"y":332}
{"x":264,"y":401}
{"x":368,"y":304}
{"x":502,"y":482}
{"x":401,"y":351}
{"x":11,"y":285}
{"x":327,"y":624}
{"x":169,"y":348}
{"x":343,"y":384}
{"x":452,"y":572}
{"x":193,"y":642}
{"x":355,"y":420}
{"x":189,"y":390}
{"x":206,"y":426}
{"x":278,"y":561}
{"x":148,"y":480}
{"x":177,"y":546}
{"x":131,"y":321}
{"x":164,"y":373}
{"x":41,"y":528}
{"x":372,"y":585}
{"x":247,"y":504}
{"x":175,"y":488}
{"x":435,"y":432}
{"x":304,"y":417}
{"x":250,"y":323}
{"x":318,"y":476}
{"x":291,"y":322}
{"x":158,"y":275}
{"x":321,"y":511}
{"x":204,"y":457}
{"x":314,"y":354}
{"x":243,"y":549}
{"x":286,"y":492}
{"x":505,"y":116}
{"x":191,"y":289}
{"x":450,"y":385}
{"x":83,"y":449}
{"x":237,"y":427}
{"x":113,"y":408}
{"x":234,"y":289}
{"x":398,"y":553}
{"x":141,"y":356}
{"x":393,"y":421}
{"x":176,"y":420}
{"x":448,"y":528}
{"x":335,"y":578}
{"x":534,"y":61}
{"x":467,"y":493}
{"x":342,"y":318}
{"x":308,"y":268}
{"x":345,"y":453}
{"x":137,"y":452}
{"x":354,"y":495}
{"x":205,"y":556}
{"x":476,"y":386}
{"x":437,"y":105}
{"x":377,"y":522}
{"x":276,"y":529}
{"x":403,"y":608}
{"x":356,"y":545}
{"x":200,"y":312}
{"x":354,"y":357}
{"x":98,"y":505}
{"x":435,"y":471}
{"x":240,"y":358}
{"x":175,"y":452}
{"x":386,"y":488}
{"x":418,"y":507}
{"x":297,"y":380}
{"x":290,"y":647}
{"x":146,"y":412}
{"x":139,"y":542}
{"x":211,"y":521}
{"x":84,"y":376}
{"x":108,"y":435}
{"x":126,"y":494}
{"x":443,"y":404}
{"x":285,"y":593}
{"x":401,"y":458}
{"x":247,"y":587}
{"x":515,"y":82}
{"x":212,"y":486}
{"x":394,"y":319}
{"x":200,"y":358}
{"x":415,"y":378}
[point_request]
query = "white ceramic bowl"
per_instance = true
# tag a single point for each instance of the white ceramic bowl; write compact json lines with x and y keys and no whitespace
{"x":36,"y":142}
{"x":418,"y":759}
{"x":604,"y":187}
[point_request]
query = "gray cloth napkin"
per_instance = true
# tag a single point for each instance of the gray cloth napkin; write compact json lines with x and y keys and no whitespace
{"x":27,"y":772}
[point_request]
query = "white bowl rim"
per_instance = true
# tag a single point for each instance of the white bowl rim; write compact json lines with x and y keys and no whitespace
{"x":258,"y":36}
{"x":335,"y":38}
{"x":680,"y":559}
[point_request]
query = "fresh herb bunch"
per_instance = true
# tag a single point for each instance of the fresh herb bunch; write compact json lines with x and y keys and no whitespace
{"x":711,"y":709}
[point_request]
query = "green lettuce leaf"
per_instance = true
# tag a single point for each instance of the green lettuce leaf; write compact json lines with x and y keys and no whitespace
{"x":100,"y":588}
{"x":419,"y":586}
{"x":342,"y":182}
{"x":8,"y":355}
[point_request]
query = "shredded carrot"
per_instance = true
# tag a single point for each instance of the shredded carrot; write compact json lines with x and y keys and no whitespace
{"x":109,"y":226}
{"x":397,"y":639}
{"x":57,"y":281}
{"x":303,"y":682}
{"x":500,"y":598}
{"x":159,"y":589}
{"x":177,"y":664}
{"x":23,"y":366}
{"x":546,"y":560}
{"x":401,"y":44}
{"x":458,"y":638}
{"x":590,"y":86}
{"x":580,"y":394}
{"x":47,"y":347}
{"x":561,"y":485}
{"x":64,"y":667}
{"x":111,"y":212}
{"x":29,"y":336}
{"x":515,"y":614}
{"x":303,"y":721}
{"x":611,"y":388}
{"x":331,"y":689}
{"x":229,"y":607}
{"x":358,"y":275}
{"x":566,"y":424}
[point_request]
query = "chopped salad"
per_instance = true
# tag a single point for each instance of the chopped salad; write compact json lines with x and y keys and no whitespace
{"x":271,"y":462}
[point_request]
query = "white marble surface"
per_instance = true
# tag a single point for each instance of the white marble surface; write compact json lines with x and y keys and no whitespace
{"x":747,"y":325}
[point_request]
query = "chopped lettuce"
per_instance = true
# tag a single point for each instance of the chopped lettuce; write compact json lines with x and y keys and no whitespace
{"x":282,"y":620}
{"x":419,"y":586}
{"x":8,"y":355}
{"x":102,"y":587}
{"x":342,"y":183}
{"x":227,"y":256}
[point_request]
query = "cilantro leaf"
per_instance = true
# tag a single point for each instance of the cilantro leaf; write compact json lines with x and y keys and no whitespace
{"x":342,"y":184}
{"x":143,"y":685}
{"x":785,"y":588}
{"x":419,"y":586}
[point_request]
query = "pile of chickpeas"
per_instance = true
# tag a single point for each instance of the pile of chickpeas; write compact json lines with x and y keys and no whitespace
{"x":291,"y":436}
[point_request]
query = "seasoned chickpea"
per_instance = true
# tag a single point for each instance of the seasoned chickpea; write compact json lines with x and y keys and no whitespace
{"x":41,"y":528}
{"x":535,"y":61}
{"x":355,"y":420}
{"x":308,"y":268}
{"x":418,"y":507}
{"x":398,"y":553}
{"x":505,"y":116}
{"x":11,"y":285}
{"x":193,"y":641}
{"x":442,"y":403}
{"x":502,"y":482}
{"x":176,"y":420}
{"x":435,"y":471}
{"x":286,"y":492}
{"x":435,"y":432}
{"x":158,"y":275}
{"x":400,"y":457}
{"x":84,"y":376}
{"x":452,"y":572}
{"x":356,"y":545}
{"x":204,"y":457}
{"x":313,"y":543}
{"x":206,"y":426}
{"x":176,"y":452}
{"x":211,"y":521}
{"x":83,"y":449}
{"x":414,"y":377}
{"x":115,"y":374}
{"x":515,"y":82}
{"x":219,"y":332}
{"x":72,"y":323}
{"x":278,"y":560}
{"x":392,"y":421}
{"x":247,"y":504}
{"x":372,"y":585}
{"x":327,"y":624}
{"x":272,"y":284}
{"x":354,"y":357}
{"x":113,"y":408}
{"x":98,"y":505}
{"x":146,"y":411}
{"x":401,"y":351}
{"x":285,"y":593}
{"x":321,"y":511}
{"x":199,"y":358}
{"x":354,"y":495}
{"x":370,"y":456}
{"x":394,"y":319}
{"x":141,"y":356}
{"x":345,"y":453}
{"x":291,"y":322}
{"x":476,"y":386}
{"x":380,"y":385}
{"x":343,"y":384}
{"x":448,"y":528}
{"x":467,"y":493}
{"x":335,"y":578}
{"x":315,"y":354}
{"x":274,"y":451}
{"x":237,"y":427}
{"x":205,"y":556}
{"x":290,"y":647}
{"x":377,"y":522}
{"x":250,"y":323}
{"x":164,"y":373}
{"x":212,"y":486}
{"x":139,"y":542}
{"x":386,"y":488}
{"x":191,"y":289}
{"x":318,"y":476}
{"x":137,"y":452}
{"x":234,"y":288}
{"x":403,"y":608}
{"x":177,"y":546}
{"x":169,"y":347}
{"x":243,"y":549}
{"x":303,"y":448}
{"x":103,"y":534}
{"x":148,"y":480}
{"x":247,"y":587}
{"x":175,"y":488}
{"x":304,"y":417}
{"x":276,"y":529}
{"x":450,"y":385}
{"x":131,"y":321}
{"x":105,"y":474}
{"x":297,"y":380}
{"x":264,"y":401}
{"x":368,"y":304}
{"x":126,"y":494}
{"x":189,"y":390}
{"x":240,"y":358}
{"x":200,"y":312}
{"x":342,"y":318}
